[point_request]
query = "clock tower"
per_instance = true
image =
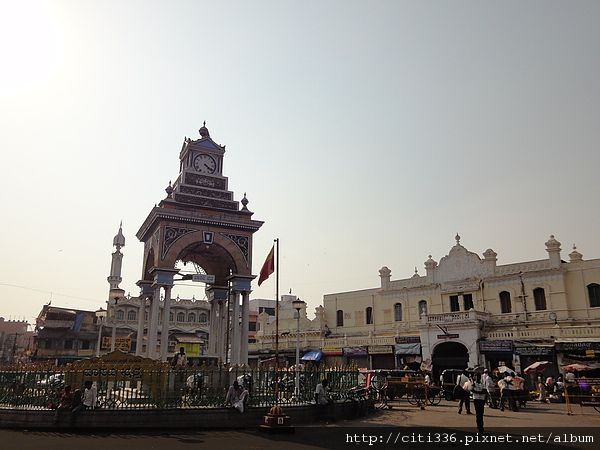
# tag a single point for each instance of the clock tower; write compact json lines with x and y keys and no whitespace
{"x":200,"y":222}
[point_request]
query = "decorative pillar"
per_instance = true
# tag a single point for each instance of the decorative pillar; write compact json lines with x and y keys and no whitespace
{"x":139,"y":343}
{"x":217,"y":335}
{"x":164,"y":340}
{"x":245,"y":327}
{"x":146,"y":292}
{"x":234,"y":301}
{"x":153,"y":326}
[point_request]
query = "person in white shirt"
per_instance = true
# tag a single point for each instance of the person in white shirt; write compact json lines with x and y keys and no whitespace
{"x":88,"y":400}
{"x":322,"y":398}
{"x":490,"y":387}
{"x":478,"y":390}
{"x":465,"y":398}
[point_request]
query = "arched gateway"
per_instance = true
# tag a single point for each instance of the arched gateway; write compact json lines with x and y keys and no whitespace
{"x":199,"y":222}
{"x":449,"y":355}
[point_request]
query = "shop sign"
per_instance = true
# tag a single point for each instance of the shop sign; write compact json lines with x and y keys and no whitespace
{"x":495,"y":346}
{"x":355,"y":351}
{"x":408,"y":339}
{"x":534,"y":351}
{"x":380,"y":349}
{"x":570,"y":346}
{"x":120,"y":343}
{"x":332,"y":350}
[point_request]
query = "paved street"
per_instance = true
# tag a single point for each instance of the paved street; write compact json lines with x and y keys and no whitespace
{"x":384,"y":429}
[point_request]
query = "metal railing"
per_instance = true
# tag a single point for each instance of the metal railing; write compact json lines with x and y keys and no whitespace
{"x":191,"y":387}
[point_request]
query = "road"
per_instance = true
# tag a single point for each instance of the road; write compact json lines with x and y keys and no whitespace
{"x":437,"y":427}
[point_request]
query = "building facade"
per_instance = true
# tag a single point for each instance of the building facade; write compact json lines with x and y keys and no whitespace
{"x":470,"y":311}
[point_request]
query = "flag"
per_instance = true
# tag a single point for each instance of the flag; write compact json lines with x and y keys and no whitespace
{"x":268,"y":267}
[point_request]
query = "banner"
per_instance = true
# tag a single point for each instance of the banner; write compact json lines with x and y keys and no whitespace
{"x":123,"y":344}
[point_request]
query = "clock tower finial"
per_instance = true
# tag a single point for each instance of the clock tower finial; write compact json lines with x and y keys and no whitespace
{"x":204,"y":131}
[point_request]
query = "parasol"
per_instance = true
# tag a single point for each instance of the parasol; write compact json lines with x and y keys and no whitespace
{"x":538,"y":366}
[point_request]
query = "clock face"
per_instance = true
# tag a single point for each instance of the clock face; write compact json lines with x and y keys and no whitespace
{"x":205,"y":164}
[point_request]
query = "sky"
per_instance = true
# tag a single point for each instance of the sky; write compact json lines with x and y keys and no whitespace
{"x":364,"y":134}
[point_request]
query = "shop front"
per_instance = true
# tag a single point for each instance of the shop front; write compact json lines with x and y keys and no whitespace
{"x":356,"y":356}
{"x":408,"y":352}
{"x":497,"y":353}
{"x":382,"y":356}
{"x":333,"y":355}
{"x":586,"y":353}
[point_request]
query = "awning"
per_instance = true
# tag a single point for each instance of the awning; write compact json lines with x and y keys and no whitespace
{"x":312,"y":356}
{"x":408,"y":349}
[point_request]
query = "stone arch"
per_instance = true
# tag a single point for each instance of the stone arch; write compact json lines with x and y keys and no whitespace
{"x":449,"y":355}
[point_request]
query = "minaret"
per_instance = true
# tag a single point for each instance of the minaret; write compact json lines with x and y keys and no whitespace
{"x":114,"y":279}
{"x":117,"y":260}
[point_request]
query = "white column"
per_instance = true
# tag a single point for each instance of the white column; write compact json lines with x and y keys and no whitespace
{"x":153,"y":328}
{"x":139,"y":347}
{"x":223,"y":331}
{"x":234,"y":301}
{"x":164,"y":340}
{"x":245,"y":326}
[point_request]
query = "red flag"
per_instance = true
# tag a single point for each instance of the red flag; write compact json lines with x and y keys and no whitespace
{"x":268,"y":267}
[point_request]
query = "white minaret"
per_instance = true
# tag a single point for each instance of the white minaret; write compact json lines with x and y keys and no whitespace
{"x":114,"y":279}
{"x":117,"y":260}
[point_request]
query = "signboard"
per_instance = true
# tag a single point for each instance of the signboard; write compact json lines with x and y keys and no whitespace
{"x":123,"y":344}
{"x":202,"y":278}
{"x":570,"y":346}
{"x":447,"y":336}
{"x":355,"y":351}
{"x":407,"y":339}
{"x":496,"y":346}
{"x":332,"y":350}
{"x":380,"y":349}
{"x":534,"y":351}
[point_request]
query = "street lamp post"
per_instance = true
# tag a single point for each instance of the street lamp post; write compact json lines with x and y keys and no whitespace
{"x":297,"y":305}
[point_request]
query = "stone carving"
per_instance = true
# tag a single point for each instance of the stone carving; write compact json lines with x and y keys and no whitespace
{"x":241,"y":242}
{"x":171,"y":234}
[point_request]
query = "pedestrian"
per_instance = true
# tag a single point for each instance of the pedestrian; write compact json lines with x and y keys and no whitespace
{"x":479,"y":390}
{"x":237,"y":397}
{"x":66,"y":402}
{"x":179,"y":359}
{"x":520,"y":393}
{"x":490,"y":387}
{"x":541,"y":390}
{"x":88,"y":400}
{"x":464,"y":383}
{"x":322,"y":398}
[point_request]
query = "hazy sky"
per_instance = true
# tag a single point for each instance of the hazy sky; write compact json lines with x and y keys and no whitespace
{"x":364,"y":134}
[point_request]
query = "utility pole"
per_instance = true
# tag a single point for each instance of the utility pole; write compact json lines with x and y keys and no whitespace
{"x":14,"y":351}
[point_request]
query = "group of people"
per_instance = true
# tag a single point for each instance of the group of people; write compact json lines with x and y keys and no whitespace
{"x":76,"y":401}
{"x":504,"y":390}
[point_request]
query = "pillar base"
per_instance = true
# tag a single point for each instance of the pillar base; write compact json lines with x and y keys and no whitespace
{"x":275,"y":422}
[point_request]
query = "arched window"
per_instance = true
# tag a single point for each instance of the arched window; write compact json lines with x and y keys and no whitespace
{"x":180,"y":317}
{"x":131,"y":315}
{"x":146,"y":316}
{"x":594,"y":294}
{"x":505,"y":304}
{"x":369,"y":314}
{"x":340,"y":318}
{"x":171,"y":316}
{"x":539,"y":296}
{"x":120,"y":314}
{"x":191,"y":317}
{"x":398,"y":312}
{"x":422,"y":307}
{"x":202,"y":318}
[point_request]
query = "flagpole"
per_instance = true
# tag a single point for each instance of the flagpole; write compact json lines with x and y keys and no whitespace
{"x":277,"y":322}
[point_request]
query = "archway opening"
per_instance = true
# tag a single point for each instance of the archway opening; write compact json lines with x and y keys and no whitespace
{"x":449,"y":355}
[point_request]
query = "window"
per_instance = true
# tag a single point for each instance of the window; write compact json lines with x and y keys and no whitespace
{"x":85,"y":345}
{"x":68,"y":344}
{"x":594,"y":294}
{"x":369,"y":314}
{"x":131,"y":315}
{"x":539,"y":296}
{"x":468,"y":301}
{"x":146,"y":316}
{"x":340,"y":318}
{"x":180,"y":317}
{"x":398,"y":312}
{"x":454,"y":306}
{"x":171,"y":316}
{"x":251,"y":326}
{"x":203,"y":318}
{"x":120,"y":314}
{"x":505,"y":305}
{"x":422,"y":307}
{"x":46,"y":343}
{"x":191,"y":317}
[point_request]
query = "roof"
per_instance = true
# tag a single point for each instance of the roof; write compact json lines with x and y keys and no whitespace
{"x":188,"y":338}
